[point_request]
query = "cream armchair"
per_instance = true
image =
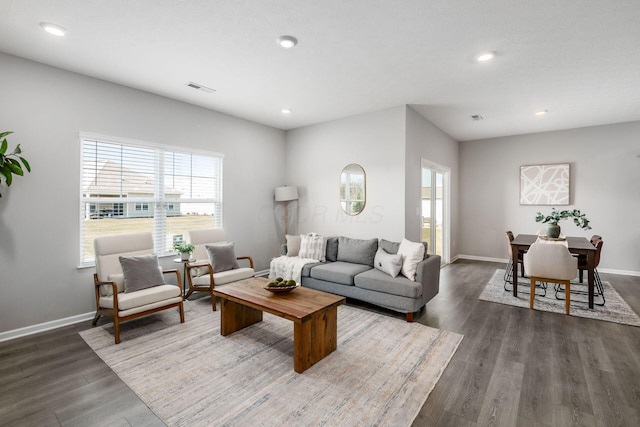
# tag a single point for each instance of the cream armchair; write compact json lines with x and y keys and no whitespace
{"x":123,"y":303}
{"x":200,"y":273}
{"x":550,"y":262}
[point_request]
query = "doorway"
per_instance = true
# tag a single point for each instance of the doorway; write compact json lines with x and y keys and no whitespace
{"x":434,"y":225}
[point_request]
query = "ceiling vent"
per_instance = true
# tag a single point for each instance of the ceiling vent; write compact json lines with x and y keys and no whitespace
{"x":200,"y":87}
{"x":476,"y":117}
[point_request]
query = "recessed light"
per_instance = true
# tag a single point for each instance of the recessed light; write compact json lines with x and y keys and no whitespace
{"x":541,"y":112}
{"x":286,"y":111}
{"x":485,"y":56}
{"x":53,"y":29}
{"x":287,"y":42}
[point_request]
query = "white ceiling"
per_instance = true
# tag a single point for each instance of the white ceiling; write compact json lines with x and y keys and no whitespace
{"x":580,"y":60}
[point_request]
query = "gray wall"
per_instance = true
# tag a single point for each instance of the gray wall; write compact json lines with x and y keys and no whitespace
{"x":39,"y":214}
{"x":389,"y":144}
{"x":316,"y":156}
{"x":605,"y":177}
{"x":426,"y":141}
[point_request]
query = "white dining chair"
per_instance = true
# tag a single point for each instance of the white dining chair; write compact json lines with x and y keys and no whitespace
{"x":550,"y":262}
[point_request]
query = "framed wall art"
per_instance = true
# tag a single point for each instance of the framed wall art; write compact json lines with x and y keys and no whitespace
{"x":545,"y":184}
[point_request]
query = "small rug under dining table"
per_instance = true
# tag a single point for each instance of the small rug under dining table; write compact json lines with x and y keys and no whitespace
{"x":615,"y":308}
{"x":381,"y":373}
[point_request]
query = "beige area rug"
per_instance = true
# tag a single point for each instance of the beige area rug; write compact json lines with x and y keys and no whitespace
{"x":189,"y":375}
{"x":615,"y":308}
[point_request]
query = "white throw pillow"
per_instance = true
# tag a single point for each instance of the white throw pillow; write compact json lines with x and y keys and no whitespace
{"x":412,"y":253}
{"x":388,"y":263}
{"x":313,"y":246}
{"x":293,"y":245}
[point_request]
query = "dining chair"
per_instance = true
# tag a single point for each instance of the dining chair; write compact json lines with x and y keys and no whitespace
{"x":582,"y":267}
{"x":508,"y":273}
{"x":553,"y":263}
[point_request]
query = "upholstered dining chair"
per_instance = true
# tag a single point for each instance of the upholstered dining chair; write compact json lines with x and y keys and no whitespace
{"x":549,"y":262}
{"x":215,"y":262}
{"x":129,"y":282}
{"x":599,"y":298}
{"x":508,"y":273}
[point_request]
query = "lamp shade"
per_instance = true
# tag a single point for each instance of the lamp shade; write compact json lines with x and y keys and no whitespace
{"x":285,"y":194}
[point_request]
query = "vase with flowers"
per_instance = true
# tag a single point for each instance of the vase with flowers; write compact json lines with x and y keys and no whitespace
{"x":553,"y":229}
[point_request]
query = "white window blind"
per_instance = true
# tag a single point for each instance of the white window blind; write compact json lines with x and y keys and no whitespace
{"x":130,"y":187}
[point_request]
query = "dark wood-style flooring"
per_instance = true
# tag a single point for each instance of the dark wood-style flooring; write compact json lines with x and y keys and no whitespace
{"x":514,"y":367}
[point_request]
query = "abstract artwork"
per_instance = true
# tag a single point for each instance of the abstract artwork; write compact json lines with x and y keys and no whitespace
{"x":544,"y":184}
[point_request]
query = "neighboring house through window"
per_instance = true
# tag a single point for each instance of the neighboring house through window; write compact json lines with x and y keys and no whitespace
{"x":132,"y":186}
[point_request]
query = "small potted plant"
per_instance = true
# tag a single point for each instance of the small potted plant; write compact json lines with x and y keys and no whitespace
{"x":553,"y":229}
{"x":185,"y":250}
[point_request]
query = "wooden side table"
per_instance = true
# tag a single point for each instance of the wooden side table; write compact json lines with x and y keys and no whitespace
{"x":184,"y":273}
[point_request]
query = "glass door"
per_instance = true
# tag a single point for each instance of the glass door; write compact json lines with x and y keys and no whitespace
{"x":434,"y":222}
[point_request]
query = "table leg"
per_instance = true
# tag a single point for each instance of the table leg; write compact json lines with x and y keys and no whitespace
{"x":514,"y":257}
{"x":315,"y":338}
{"x":234,"y":316}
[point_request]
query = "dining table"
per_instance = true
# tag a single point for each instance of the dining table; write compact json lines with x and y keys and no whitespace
{"x":576,"y":245}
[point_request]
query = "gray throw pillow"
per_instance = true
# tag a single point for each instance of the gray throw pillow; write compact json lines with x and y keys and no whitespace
{"x":140,"y":272}
{"x":357,"y":251}
{"x":332,"y":248}
{"x":388,"y":263}
{"x":222,"y":257}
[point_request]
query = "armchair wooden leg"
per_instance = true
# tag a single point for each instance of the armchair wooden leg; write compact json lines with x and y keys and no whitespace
{"x":181,"y":307}
{"x":213,"y":300}
{"x":533,"y":292}
{"x":116,"y":329}
{"x":567,"y":292}
{"x":95,"y":319}
{"x":409,"y":317}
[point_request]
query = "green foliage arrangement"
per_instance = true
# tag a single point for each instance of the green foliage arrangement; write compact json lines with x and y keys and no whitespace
{"x":183,"y":248}
{"x":579,"y":219}
{"x":10,"y":163}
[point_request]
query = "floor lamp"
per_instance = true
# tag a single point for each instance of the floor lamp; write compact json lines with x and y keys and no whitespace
{"x":286,"y":194}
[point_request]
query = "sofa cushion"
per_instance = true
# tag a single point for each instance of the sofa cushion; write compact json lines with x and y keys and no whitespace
{"x":412,"y":253}
{"x":293,"y":245}
{"x":332,"y":249}
{"x":312,"y":246}
{"x":357,"y":251}
{"x":141,"y":272}
{"x":338,"y":272}
{"x":388,"y":263}
{"x":222,"y":257}
{"x":376,"y":280}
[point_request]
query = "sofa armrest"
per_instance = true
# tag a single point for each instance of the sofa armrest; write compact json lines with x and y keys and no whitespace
{"x":428,"y":273}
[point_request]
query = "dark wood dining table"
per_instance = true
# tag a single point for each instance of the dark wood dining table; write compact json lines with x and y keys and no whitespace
{"x":576,"y":245}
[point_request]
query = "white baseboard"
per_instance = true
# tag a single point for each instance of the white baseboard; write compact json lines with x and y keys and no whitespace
{"x":42,"y":327}
{"x":504,"y":261}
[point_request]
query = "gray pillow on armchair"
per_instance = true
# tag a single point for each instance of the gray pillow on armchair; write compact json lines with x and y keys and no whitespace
{"x":222,"y":257}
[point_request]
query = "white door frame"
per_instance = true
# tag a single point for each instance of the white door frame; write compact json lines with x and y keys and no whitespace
{"x":446,"y":204}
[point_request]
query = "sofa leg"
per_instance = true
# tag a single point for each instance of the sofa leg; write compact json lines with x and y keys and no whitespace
{"x":409,"y":317}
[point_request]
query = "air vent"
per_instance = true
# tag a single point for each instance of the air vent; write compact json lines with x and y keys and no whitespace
{"x":200,"y":87}
{"x":476,"y":117}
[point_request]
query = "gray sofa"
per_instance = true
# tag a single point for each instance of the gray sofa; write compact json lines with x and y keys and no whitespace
{"x":349,"y":271}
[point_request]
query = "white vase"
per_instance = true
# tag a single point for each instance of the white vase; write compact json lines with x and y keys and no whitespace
{"x":184,"y":256}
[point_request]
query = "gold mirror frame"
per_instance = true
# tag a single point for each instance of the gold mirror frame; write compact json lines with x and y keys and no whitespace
{"x":353,"y":178}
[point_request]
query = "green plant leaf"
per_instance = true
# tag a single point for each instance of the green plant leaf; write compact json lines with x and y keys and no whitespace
{"x":15,"y":168}
{"x":26,"y":164}
{"x":3,"y":177}
{"x":3,"y":148}
{"x":7,"y":175}
{"x":3,"y":134}
{"x":17,"y":150}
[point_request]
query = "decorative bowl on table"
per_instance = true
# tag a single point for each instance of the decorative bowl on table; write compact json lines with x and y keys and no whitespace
{"x":281,"y":286}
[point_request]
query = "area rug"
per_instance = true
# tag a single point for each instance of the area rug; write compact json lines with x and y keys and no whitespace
{"x":615,"y":308}
{"x":189,"y":375}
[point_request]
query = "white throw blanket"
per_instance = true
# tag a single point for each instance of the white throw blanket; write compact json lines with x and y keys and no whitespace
{"x":288,"y":267}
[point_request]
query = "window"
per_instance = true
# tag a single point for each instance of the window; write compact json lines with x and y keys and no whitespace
{"x":131,"y":186}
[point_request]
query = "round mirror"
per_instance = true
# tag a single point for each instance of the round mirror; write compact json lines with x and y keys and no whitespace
{"x":353,"y":195}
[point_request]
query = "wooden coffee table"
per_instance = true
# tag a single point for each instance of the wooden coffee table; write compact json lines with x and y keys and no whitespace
{"x":314,"y":315}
